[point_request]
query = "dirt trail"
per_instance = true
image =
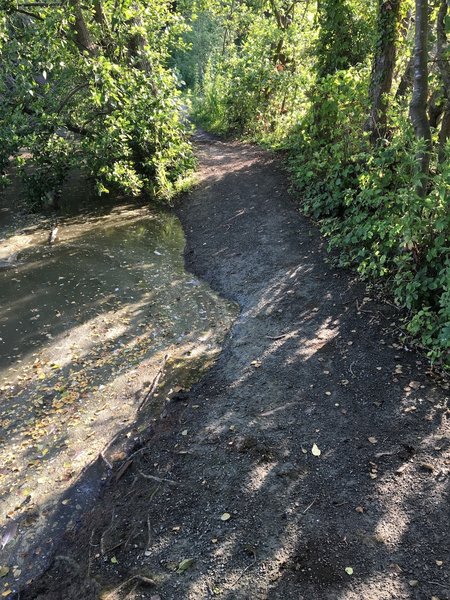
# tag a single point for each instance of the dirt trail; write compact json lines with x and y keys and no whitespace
{"x":228,"y":499}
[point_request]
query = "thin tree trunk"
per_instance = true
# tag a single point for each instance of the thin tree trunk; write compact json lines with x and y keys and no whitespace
{"x":435,"y":108}
{"x":82,"y":36}
{"x":418,"y":105}
{"x":106,"y":40}
{"x":383,"y":68}
{"x":99,"y":15}
{"x":444,"y":69}
{"x":406,"y":80}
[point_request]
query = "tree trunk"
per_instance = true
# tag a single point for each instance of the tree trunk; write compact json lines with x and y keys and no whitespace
{"x":82,"y":36}
{"x":444,"y":69}
{"x":137,"y":43}
{"x":435,"y":108}
{"x":406,"y":81}
{"x":418,"y":106}
{"x":100,"y":18}
{"x":383,"y":68}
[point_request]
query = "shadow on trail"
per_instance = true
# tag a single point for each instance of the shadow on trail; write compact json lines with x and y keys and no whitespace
{"x":310,"y":363}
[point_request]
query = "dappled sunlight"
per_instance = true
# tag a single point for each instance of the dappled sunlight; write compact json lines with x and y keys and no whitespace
{"x":286,"y":472}
{"x":257,"y":477}
{"x":377,"y":587}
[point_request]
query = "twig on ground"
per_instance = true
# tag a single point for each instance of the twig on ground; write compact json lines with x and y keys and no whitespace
{"x":102,"y":538}
{"x":130,"y":537}
{"x":393,"y":305}
{"x":149,"y":532}
{"x":157,"y":479}
{"x":128,"y":462}
{"x":369,"y":312}
{"x":309,"y":506}
{"x":138,"y":578}
{"x":351,"y":369}
{"x":243,"y":573}
{"x":123,"y":468}
{"x":88,"y":571}
{"x":108,"y":464}
{"x":155,"y":382}
{"x":108,"y":550}
{"x":133,"y":589}
{"x":131,"y":488}
{"x":155,"y":491}
{"x":276,"y":337}
{"x":445,"y":587}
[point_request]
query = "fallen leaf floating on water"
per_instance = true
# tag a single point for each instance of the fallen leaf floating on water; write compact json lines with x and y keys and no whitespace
{"x":185,"y":565}
{"x":315,"y":450}
{"x":225,"y":517}
{"x":349,"y":570}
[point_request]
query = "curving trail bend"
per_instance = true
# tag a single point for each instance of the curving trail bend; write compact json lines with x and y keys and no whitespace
{"x":230,"y":498}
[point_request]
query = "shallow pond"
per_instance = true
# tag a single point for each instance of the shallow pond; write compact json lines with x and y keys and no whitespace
{"x":84,"y":326}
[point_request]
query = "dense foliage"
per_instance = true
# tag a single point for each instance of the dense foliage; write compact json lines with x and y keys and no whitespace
{"x":89,"y":86}
{"x":357,"y":91}
{"x":351,"y":89}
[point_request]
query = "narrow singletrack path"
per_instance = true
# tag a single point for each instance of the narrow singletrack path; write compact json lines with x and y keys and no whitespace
{"x":230,"y":497}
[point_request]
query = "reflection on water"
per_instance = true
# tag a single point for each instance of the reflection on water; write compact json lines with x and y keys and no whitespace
{"x":98,"y":265}
{"x":84,"y":325}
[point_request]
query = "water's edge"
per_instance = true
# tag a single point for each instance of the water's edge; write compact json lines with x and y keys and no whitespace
{"x":85,"y":327}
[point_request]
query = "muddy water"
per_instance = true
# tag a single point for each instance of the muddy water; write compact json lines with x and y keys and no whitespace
{"x":84,"y":327}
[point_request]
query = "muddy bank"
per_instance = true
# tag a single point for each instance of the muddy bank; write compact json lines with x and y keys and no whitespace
{"x":85,"y":326}
{"x":312,"y":460}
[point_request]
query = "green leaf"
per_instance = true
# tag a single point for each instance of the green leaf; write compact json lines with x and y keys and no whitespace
{"x":185,"y":564}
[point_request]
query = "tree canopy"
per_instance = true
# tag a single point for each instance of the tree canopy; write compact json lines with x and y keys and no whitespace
{"x":90,"y":86}
{"x":357,"y":92}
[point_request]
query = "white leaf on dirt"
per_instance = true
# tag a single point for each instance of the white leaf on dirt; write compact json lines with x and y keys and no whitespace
{"x":372,"y":440}
{"x":349,"y":570}
{"x":184,"y":432}
{"x":157,"y":253}
{"x":315,"y":450}
{"x":225,"y":517}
